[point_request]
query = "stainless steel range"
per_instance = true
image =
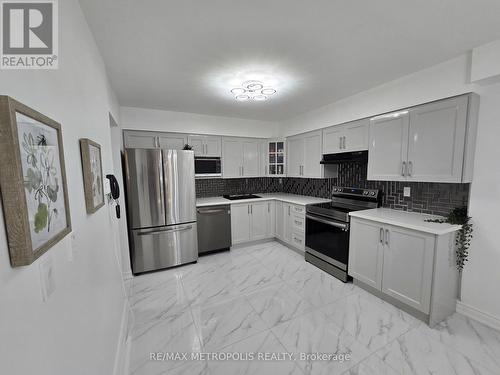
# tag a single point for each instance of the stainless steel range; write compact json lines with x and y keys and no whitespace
{"x":327,"y":228}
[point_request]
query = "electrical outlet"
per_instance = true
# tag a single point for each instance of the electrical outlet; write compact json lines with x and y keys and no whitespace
{"x":406,"y":191}
{"x":47,"y":281}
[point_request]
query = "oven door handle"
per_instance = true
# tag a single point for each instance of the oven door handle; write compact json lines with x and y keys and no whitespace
{"x":344,"y":227}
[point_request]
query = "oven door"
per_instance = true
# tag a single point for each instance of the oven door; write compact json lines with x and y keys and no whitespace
{"x":207,"y":167}
{"x":328,"y":239}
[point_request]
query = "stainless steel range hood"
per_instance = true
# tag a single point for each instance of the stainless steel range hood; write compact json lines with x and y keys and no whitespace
{"x":344,"y":157}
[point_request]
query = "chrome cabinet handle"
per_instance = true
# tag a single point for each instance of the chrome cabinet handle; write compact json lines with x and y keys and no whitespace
{"x":381,"y":235}
{"x":265,"y":170}
{"x":344,"y":142}
{"x":410,"y":168}
{"x":251,"y":209}
{"x":288,"y":210}
{"x":403,"y":169}
{"x":387,"y":236}
{"x":269,"y":207}
{"x":340,"y":143}
{"x":242,"y":171}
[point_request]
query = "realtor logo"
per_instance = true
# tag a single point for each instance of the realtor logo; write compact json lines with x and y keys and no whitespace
{"x":29,"y":34}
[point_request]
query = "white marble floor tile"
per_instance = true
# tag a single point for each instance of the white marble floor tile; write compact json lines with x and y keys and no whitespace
{"x":175,"y":333}
{"x":319,"y":288}
{"x":372,"y":365}
{"x":256,"y":346}
{"x":255,"y":277}
{"x":416,"y":353}
{"x":278,"y":303}
{"x":209,"y":289}
{"x":225,"y":323}
{"x":368,"y":323}
{"x":314,"y":333}
{"x":473,"y":339}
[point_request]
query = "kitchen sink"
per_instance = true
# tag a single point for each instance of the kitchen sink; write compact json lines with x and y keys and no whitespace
{"x":240,"y":196}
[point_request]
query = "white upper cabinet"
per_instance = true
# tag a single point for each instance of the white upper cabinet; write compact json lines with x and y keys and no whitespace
{"x":232,"y":157}
{"x":432,"y":142}
{"x":436,"y":142}
{"x":145,"y":139}
{"x":348,"y":137}
{"x":304,"y":155}
{"x":205,"y":145}
{"x":311,"y":166}
{"x":251,"y":157}
{"x":295,"y":156}
{"x":172,"y":141}
{"x":241,"y":157}
{"x":388,"y":147}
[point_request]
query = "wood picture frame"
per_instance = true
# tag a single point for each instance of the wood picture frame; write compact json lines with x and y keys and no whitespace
{"x":32,"y":181}
{"x":92,"y":174}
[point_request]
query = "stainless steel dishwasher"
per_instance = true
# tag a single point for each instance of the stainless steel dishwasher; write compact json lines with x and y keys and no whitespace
{"x":214,"y":228}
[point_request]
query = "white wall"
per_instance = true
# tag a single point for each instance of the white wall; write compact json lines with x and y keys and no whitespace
{"x":76,"y":330}
{"x":158,"y":120}
{"x":482,"y":273}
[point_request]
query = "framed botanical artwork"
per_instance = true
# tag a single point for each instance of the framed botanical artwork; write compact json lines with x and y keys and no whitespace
{"x":92,"y":174}
{"x":32,"y":181}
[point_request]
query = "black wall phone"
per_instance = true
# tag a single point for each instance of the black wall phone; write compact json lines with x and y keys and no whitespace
{"x":115,"y":192}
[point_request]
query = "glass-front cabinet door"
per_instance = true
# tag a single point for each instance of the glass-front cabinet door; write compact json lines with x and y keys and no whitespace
{"x":276,"y":158}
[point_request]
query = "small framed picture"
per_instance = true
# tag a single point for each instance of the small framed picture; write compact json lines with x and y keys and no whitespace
{"x":32,"y":181}
{"x":92,"y":175}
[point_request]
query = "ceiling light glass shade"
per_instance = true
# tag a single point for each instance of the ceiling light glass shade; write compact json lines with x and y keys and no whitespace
{"x":238,"y":91}
{"x":259,"y":98}
{"x":253,"y":85}
{"x":242,"y":98}
{"x":268,"y":91}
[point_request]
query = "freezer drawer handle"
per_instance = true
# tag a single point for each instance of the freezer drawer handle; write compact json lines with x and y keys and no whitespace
{"x":160,"y":231}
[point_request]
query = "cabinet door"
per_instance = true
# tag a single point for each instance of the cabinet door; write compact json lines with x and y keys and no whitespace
{"x":366,"y":246}
{"x":408,"y":262}
{"x":388,"y":147}
{"x":271,"y":219}
{"x":295,"y":151}
{"x":332,"y":139}
{"x":251,"y":158}
{"x":212,"y":146}
{"x":287,"y":223}
{"x":139,"y":140}
{"x":312,"y":155}
{"x":172,"y":141}
{"x":280,"y":224}
{"x":196,"y":142}
{"x":436,"y":142}
{"x":356,"y":135}
{"x":240,"y":223}
{"x":232,"y":157}
{"x":259,"y":220}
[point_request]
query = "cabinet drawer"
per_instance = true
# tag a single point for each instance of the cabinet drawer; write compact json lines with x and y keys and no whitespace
{"x":298,"y":240}
{"x":298,"y":209}
{"x":298,"y":223}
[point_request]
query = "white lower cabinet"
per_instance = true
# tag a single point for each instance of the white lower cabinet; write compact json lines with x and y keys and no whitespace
{"x":399,"y":262}
{"x":394,"y":260}
{"x":268,"y":219}
{"x":252,"y":221}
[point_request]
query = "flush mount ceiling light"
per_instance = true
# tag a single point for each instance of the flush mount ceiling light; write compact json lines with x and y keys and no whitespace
{"x":253,"y":90}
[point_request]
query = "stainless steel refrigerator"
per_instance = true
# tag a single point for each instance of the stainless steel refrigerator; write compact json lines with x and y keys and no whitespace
{"x":161,"y":207}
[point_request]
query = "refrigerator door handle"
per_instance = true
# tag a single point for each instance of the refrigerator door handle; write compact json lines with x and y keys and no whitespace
{"x":163,"y":230}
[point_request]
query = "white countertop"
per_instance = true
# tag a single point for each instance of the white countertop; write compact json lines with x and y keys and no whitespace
{"x":410,"y":220}
{"x":290,"y":198}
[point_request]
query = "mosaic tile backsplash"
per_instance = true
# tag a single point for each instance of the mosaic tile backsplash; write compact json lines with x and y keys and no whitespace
{"x":426,"y":197}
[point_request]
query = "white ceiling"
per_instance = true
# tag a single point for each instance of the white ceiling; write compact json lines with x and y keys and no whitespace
{"x":182,"y":55}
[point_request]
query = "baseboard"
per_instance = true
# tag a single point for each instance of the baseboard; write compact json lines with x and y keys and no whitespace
{"x":481,"y":316}
{"x":123,"y":345}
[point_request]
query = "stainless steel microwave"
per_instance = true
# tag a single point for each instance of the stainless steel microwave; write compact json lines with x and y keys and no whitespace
{"x":207,"y":167}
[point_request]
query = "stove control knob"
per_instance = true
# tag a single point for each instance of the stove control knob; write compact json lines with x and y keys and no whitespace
{"x":334,"y":189}
{"x":340,"y":190}
{"x":372,"y":193}
{"x":365,"y":193}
